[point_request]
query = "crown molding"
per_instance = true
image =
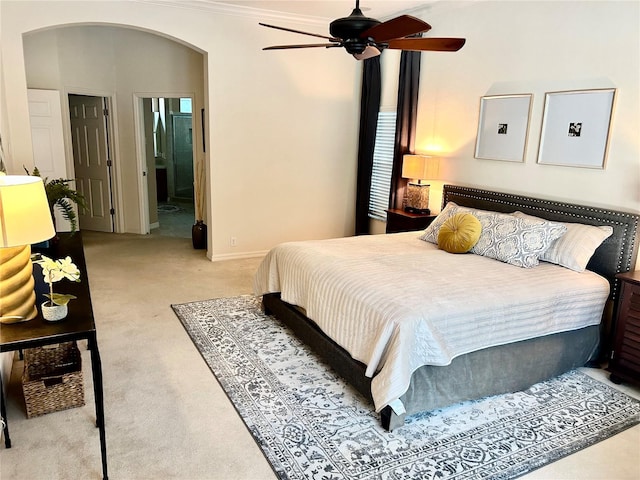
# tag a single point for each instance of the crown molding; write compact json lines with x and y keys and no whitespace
{"x":237,"y":11}
{"x":262,"y":14}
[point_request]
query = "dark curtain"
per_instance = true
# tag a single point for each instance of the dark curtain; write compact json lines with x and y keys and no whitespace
{"x":407,"y":111}
{"x":369,"y":107}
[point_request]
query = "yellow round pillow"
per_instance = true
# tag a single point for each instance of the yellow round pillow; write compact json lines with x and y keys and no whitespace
{"x":459,"y":233}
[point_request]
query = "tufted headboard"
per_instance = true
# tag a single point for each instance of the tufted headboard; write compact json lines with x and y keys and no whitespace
{"x":617,"y":253}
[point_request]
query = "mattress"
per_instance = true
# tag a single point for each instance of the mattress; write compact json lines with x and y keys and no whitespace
{"x":396,"y":303}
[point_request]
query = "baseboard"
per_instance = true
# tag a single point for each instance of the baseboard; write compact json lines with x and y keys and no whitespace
{"x":237,"y":256}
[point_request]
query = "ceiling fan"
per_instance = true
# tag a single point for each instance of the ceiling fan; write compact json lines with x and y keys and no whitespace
{"x":365,"y":37}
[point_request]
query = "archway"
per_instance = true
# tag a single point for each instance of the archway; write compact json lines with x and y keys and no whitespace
{"x":120,"y":62}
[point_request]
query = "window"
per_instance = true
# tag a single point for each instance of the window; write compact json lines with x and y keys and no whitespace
{"x":159,"y":125}
{"x":185,"y":105}
{"x":382,"y":165}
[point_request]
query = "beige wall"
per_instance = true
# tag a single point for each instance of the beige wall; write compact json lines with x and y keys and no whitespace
{"x":534,"y":47}
{"x":282,"y":125}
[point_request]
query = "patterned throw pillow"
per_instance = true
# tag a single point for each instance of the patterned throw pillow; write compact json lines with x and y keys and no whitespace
{"x":504,"y":237}
{"x":518,"y":242}
{"x":431,"y":232}
{"x":575,"y":248}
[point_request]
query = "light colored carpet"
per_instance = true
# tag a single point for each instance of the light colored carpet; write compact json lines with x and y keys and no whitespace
{"x":166,"y":415}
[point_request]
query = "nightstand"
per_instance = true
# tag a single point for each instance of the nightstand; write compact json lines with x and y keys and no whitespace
{"x":401,"y":221}
{"x":625,"y":357}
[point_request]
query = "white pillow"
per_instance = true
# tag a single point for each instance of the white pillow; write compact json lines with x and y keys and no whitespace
{"x":505,"y":237}
{"x":576,"y":247}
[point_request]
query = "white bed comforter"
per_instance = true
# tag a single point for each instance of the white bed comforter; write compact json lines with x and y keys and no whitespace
{"x":395,"y":302}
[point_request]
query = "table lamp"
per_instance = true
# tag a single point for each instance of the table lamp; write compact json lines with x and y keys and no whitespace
{"x":24,"y":219}
{"x":418,"y":168}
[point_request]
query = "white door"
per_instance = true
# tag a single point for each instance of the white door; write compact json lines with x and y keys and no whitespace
{"x":45,"y":115}
{"x":91,"y":161}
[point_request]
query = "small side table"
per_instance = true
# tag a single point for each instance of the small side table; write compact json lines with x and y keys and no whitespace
{"x":624,"y":364}
{"x":401,"y":221}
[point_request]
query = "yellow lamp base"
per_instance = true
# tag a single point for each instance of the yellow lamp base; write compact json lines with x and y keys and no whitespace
{"x":17,"y":298}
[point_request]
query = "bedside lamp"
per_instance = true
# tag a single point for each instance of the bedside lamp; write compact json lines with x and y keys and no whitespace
{"x":418,"y":168}
{"x":24,"y":219}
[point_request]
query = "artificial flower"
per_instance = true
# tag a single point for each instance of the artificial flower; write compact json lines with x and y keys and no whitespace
{"x":54,"y":271}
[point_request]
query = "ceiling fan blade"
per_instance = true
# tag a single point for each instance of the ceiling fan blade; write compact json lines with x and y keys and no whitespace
{"x":300,"y":32}
{"x":396,"y":28}
{"x":427,"y":44}
{"x":306,"y":45}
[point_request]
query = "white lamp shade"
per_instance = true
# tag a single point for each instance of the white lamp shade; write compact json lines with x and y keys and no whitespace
{"x":24,"y":211}
{"x":420,"y":167}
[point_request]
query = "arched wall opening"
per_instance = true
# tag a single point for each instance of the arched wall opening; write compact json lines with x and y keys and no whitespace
{"x":123,"y":64}
{"x":272,"y":122}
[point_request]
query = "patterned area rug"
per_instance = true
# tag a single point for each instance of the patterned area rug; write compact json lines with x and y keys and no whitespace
{"x":311,"y":425}
{"x":168,"y":208}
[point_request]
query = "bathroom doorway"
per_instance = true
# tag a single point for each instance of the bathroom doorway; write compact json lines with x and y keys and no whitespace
{"x":169,"y":137}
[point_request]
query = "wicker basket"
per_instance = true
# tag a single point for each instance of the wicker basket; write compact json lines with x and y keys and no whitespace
{"x":52,"y":379}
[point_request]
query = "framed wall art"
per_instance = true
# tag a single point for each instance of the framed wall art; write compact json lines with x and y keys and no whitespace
{"x":502,"y":127}
{"x":575,"y":128}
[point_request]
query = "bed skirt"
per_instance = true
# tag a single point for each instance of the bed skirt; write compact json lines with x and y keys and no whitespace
{"x":491,"y":371}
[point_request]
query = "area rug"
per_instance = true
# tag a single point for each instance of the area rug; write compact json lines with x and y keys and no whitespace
{"x":311,"y":425}
{"x":168,"y":208}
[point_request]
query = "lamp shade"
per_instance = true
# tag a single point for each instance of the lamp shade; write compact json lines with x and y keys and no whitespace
{"x":420,"y":167}
{"x":24,"y":211}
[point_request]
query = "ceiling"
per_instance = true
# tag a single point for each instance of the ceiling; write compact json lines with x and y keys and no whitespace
{"x":313,"y":11}
{"x":331,"y":9}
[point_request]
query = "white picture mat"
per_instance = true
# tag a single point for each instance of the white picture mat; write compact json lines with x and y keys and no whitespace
{"x":509,"y":110}
{"x":592,"y":109}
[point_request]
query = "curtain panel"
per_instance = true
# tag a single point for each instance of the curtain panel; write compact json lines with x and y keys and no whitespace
{"x":369,"y":108}
{"x":409,"y":82}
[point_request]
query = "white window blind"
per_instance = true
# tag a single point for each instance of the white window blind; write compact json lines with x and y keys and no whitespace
{"x":382,"y":165}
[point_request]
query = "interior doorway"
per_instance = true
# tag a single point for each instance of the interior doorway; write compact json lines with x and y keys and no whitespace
{"x":168,"y":127}
{"x":92,"y":163}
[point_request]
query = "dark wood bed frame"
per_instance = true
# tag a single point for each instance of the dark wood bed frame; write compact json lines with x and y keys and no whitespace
{"x":617,"y":254}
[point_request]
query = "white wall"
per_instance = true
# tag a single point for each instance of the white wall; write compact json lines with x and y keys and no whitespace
{"x":282,"y":125}
{"x":534,"y":47}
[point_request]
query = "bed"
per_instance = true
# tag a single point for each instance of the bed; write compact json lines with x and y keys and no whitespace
{"x":414,"y":328}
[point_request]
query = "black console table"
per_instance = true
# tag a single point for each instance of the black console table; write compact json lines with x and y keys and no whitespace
{"x":78,"y":325}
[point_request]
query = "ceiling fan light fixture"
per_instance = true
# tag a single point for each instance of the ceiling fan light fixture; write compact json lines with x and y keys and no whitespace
{"x":355,"y":46}
{"x":368,"y":52}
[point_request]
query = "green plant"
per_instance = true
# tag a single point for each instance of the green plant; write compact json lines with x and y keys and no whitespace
{"x":61,"y":194}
